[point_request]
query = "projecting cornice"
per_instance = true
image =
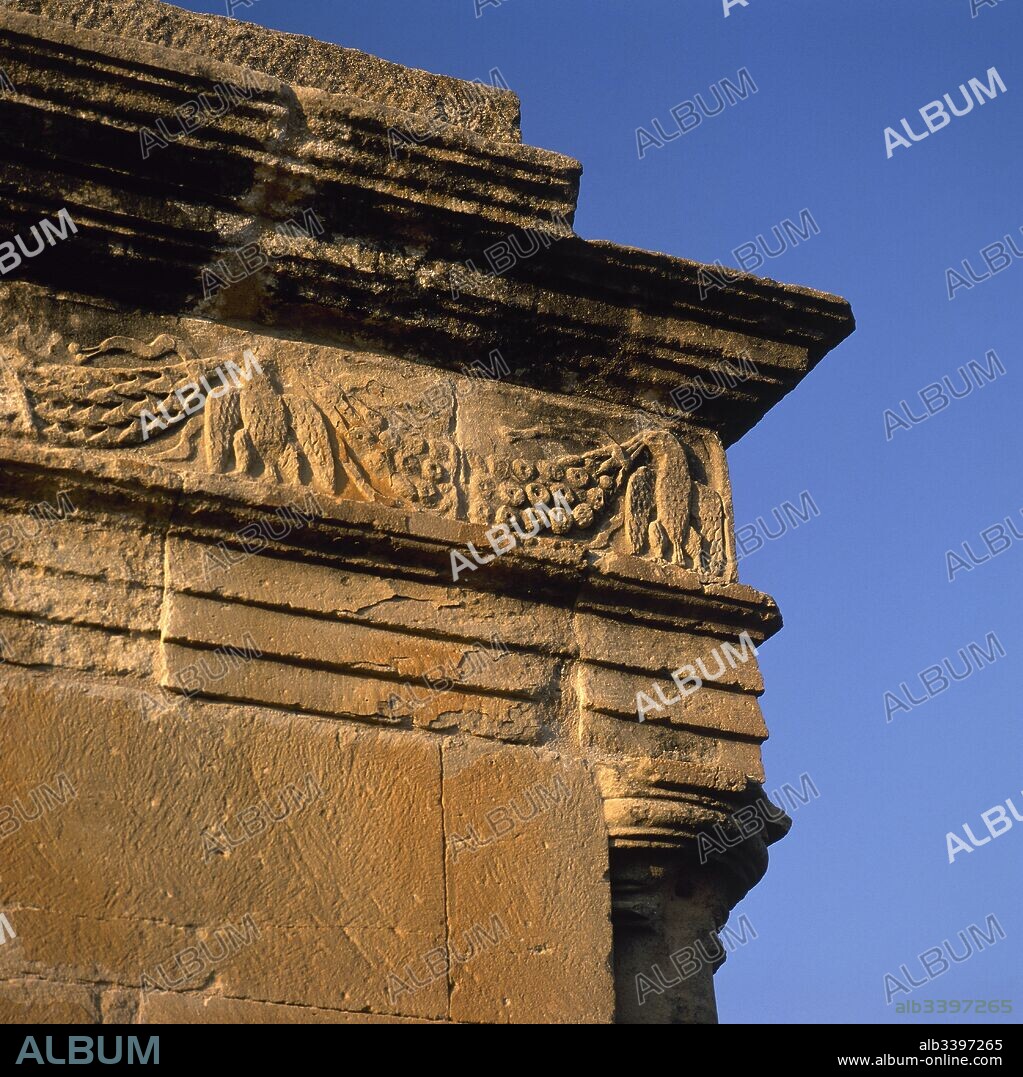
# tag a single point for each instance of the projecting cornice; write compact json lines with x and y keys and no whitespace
{"x":294,"y":58}
{"x":418,"y":221}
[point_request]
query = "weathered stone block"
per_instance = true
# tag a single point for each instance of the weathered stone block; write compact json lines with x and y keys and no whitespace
{"x":178,"y":816}
{"x":529,"y":917}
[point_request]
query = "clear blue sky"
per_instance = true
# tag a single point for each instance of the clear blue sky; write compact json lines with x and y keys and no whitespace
{"x":862,"y":884}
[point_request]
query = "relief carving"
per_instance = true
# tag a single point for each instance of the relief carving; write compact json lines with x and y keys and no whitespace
{"x":647,"y":496}
{"x":124,"y":393}
{"x":236,"y":413}
{"x":405,"y":462}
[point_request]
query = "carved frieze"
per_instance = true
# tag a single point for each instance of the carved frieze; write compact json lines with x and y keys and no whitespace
{"x":435,"y":443}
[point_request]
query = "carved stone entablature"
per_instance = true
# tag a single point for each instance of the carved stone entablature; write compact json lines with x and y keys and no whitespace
{"x":369,"y":428}
{"x":229,"y":516}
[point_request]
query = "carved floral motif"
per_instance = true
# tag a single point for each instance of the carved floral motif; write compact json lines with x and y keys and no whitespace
{"x":648,"y":495}
{"x":640,"y":495}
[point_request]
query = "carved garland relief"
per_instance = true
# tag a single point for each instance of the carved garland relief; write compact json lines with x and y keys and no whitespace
{"x":648,"y":495}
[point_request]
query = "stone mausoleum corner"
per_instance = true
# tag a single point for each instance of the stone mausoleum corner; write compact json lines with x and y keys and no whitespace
{"x":359,"y":522}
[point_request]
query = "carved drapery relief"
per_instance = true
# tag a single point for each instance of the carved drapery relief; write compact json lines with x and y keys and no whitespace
{"x":650,"y":494}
